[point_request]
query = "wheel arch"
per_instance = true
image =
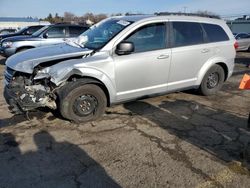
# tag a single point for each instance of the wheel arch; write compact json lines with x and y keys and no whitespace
{"x":208,"y":65}
{"x":91,"y":80}
{"x":225,"y":68}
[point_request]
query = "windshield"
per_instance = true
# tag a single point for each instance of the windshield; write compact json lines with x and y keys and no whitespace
{"x":100,"y":34}
{"x":39,"y":31}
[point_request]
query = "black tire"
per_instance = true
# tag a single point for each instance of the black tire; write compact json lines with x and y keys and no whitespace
{"x":212,"y":81}
{"x":82,"y":102}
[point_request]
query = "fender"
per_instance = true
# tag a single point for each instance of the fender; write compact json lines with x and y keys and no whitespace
{"x":90,"y":72}
{"x":212,"y":61}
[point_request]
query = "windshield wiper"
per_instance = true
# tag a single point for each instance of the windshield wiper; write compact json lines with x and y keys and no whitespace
{"x":81,"y":46}
{"x":69,"y":42}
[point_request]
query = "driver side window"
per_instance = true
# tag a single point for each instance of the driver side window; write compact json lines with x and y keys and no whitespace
{"x":149,"y":37}
{"x":56,"y":32}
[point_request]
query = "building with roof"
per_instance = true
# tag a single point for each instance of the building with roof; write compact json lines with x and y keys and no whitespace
{"x":239,"y":26}
{"x":17,"y":23}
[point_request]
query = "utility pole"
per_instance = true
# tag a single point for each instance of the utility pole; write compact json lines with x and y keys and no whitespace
{"x":185,"y":9}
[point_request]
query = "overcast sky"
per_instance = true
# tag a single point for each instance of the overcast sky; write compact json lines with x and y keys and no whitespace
{"x":41,"y":8}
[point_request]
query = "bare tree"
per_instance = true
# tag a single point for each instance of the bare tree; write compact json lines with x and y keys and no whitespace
{"x":69,"y":17}
{"x":100,"y":17}
{"x":72,"y":18}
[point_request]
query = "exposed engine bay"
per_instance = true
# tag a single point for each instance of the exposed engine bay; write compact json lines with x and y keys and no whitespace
{"x":25,"y":94}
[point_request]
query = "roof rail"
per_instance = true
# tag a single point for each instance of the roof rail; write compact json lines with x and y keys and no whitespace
{"x":134,"y":14}
{"x":186,"y":14}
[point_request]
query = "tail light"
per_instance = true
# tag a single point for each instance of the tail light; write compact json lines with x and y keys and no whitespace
{"x":236,"y":45}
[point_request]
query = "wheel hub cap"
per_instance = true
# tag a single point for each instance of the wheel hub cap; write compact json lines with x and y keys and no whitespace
{"x":213,"y":80}
{"x":85,"y":105}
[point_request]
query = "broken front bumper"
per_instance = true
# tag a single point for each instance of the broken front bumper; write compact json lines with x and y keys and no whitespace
{"x":21,"y":100}
{"x":12,"y":100}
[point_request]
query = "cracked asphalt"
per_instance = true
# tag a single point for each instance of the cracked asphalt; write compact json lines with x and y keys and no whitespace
{"x":177,"y":140}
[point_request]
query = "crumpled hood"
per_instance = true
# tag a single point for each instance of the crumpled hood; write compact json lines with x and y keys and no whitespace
{"x":27,"y":60}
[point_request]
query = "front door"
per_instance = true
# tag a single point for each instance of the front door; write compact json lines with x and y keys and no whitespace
{"x":145,"y":71}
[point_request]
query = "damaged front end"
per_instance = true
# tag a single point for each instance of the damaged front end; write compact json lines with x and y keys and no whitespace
{"x":24,"y":93}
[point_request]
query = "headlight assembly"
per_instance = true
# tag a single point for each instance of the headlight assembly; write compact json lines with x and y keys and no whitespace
{"x":7,"y":44}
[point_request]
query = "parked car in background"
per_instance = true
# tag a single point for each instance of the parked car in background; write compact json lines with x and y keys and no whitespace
{"x":121,"y":59}
{"x":24,"y":31}
{"x":48,"y":35}
{"x":7,"y":31}
{"x":243,"y":40}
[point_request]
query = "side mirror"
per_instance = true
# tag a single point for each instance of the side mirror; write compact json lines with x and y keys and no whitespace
{"x":45,"y":35}
{"x":125,"y":48}
{"x":27,"y":33}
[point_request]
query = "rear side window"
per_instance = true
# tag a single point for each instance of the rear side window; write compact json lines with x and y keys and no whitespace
{"x":56,"y":32}
{"x":187,"y":33}
{"x":215,"y":33}
{"x":75,"y":31}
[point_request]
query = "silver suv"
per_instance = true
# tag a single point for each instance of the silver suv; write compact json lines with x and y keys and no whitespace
{"x":47,"y":35}
{"x":122,"y":59}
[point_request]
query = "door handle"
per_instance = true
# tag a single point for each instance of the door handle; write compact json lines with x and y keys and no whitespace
{"x":163,"y":56}
{"x":205,"y":50}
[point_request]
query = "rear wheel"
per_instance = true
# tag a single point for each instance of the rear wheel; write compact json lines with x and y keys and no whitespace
{"x":212,"y":81}
{"x":81,"y":103}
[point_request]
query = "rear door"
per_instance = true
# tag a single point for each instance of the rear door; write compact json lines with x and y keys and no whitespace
{"x":189,"y":53}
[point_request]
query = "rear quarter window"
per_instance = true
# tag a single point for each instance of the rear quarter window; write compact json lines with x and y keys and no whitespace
{"x":215,"y":33}
{"x":187,"y":33}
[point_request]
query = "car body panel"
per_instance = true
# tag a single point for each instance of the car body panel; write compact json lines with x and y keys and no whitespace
{"x":244,"y":44}
{"x":145,"y":73}
{"x":243,"y":40}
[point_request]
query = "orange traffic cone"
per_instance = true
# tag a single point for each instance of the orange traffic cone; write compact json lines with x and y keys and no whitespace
{"x":245,"y":82}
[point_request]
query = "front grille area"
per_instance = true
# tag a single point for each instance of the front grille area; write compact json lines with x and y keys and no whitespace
{"x":9,"y":73}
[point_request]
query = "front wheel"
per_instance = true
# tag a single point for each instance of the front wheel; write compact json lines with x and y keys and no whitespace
{"x":212,"y":81}
{"x":82,"y":103}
